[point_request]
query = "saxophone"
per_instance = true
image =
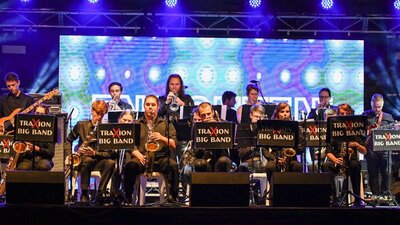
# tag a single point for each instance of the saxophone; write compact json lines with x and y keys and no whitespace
{"x":75,"y":158}
{"x":19,"y":148}
{"x":344,"y":151}
{"x":151,"y":147}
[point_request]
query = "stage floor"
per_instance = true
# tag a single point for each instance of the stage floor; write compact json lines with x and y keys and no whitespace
{"x":73,"y":215}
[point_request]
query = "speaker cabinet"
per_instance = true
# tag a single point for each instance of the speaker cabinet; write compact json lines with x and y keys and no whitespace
{"x":219,"y":189}
{"x":300,"y":189}
{"x":35,"y":187}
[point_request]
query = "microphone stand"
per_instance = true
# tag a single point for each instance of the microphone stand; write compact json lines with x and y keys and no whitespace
{"x":304,"y":141}
{"x":262,"y":95}
{"x":68,"y":121}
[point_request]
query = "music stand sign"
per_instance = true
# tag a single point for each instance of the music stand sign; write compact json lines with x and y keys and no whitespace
{"x":277,"y":133}
{"x":386,"y":140}
{"x":315,"y":133}
{"x":116,"y":136}
{"x":346,"y":128}
{"x":6,"y":142}
{"x":214,"y":135}
{"x":35,"y":128}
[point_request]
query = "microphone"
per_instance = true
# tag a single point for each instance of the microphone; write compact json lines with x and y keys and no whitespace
{"x":254,"y":81}
{"x":69,"y":116}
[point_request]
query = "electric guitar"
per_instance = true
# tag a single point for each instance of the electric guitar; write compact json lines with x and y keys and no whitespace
{"x":18,"y":110}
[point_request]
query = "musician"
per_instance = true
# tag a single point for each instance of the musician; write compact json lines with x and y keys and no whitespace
{"x":43,"y":151}
{"x":92,"y":160}
{"x":229,"y":99}
{"x":206,"y":158}
{"x":12,"y":100}
{"x":162,"y":133}
{"x":174,"y":91}
{"x":115,"y":89}
{"x":252,"y":92}
{"x":377,"y":162}
{"x":324,"y":103}
{"x":336,"y":159}
{"x":250,"y":155}
{"x":289,"y":163}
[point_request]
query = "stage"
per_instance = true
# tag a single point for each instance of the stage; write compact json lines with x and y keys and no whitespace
{"x":58,"y":215}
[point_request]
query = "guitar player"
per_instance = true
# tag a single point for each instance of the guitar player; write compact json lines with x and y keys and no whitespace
{"x":12,"y":100}
{"x":377,"y":162}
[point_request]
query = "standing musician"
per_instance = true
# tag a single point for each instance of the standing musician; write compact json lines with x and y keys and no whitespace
{"x":324,"y":96}
{"x":249,"y":155}
{"x":252,"y":92}
{"x":92,"y":160}
{"x":12,"y":100}
{"x":162,"y":161}
{"x":174,"y":97}
{"x":206,"y":158}
{"x":229,"y":99}
{"x":115,"y":89}
{"x":288,"y":163}
{"x":336,"y":158}
{"x":377,"y":162}
{"x":44,"y":151}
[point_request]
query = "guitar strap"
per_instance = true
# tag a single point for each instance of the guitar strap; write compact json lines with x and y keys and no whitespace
{"x":380,"y":119}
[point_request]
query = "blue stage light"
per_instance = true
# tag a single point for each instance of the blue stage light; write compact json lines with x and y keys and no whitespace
{"x":255,"y":3}
{"x":396,"y":4}
{"x":93,"y":1}
{"x":25,"y":1}
{"x":327,"y":4}
{"x":171,"y":3}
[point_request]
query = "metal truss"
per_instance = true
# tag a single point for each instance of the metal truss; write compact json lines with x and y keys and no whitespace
{"x":197,"y":22}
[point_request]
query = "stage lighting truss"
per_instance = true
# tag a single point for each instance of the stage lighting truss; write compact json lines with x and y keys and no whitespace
{"x":327,"y":4}
{"x":255,"y":3}
{"x":171,"y":3}
{"x":251,"y":24}
{"x":396,"y":4}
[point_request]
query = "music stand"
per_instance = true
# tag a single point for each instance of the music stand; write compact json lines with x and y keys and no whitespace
{"x":345,"y":129}
{"x":315,"y":133}
{"x":118,"y":137}
{"x":35,"y":128}
{"x":386,"y":140}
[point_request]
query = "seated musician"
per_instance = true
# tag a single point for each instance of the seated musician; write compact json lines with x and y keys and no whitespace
{"x":43,"y":151}
{"x":205,"y":158}
{"x":250,"y":155}
{"x":153,"y":128}
{"x":336,"y":158}
{"x":92,"y":160}
{"x":285,"y":163}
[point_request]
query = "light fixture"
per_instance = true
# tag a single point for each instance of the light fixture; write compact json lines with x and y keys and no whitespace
{"x":171,"y":3}
{"x":327,"y":4}
{"x":255,"y":3}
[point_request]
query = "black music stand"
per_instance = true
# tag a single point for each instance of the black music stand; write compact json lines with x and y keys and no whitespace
{"x":315,"y":133}
{"x":345,"y":129}
{"x":385,"y":140}
{"x":35,"y":128}
{"x":119,"y":137}
{"x":214,"y":136}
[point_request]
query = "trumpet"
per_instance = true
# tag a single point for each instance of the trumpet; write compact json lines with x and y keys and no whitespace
{"x":113,"y":104}
{"x":173,"y":106}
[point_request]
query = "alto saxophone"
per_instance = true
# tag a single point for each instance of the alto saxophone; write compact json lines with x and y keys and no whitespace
{"x":75,"y":158}
{"x":151,"y":146}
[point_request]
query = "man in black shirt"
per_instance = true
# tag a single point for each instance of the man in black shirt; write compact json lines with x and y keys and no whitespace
{"x":115,"y":90}
{"x":14,"y":99}
{"x":229,"y":99}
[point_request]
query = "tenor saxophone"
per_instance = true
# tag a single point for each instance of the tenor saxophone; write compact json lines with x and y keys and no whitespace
{"x":151,"y":146}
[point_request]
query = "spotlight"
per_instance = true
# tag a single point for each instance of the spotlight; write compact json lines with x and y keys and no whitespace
{"x":255,"y":3}
{"x":25,"y":1}
{"x":93,"y":1}
{"x":396,"y":4}
{"x":327,"y":4}
{"x":171,"y":3}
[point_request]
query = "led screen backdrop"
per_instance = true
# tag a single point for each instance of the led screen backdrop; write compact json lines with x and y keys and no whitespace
{"x":288,"y":70}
